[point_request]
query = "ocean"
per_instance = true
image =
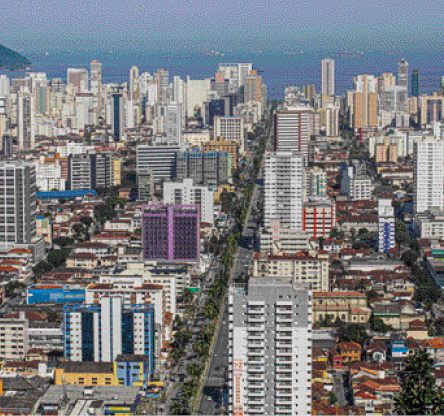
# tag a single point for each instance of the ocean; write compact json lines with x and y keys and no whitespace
{"x":279,"y":69}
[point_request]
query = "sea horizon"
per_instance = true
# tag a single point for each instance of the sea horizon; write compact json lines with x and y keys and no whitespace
{"x":280,"y":68}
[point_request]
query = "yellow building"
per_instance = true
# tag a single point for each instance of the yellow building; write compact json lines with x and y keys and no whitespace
{"x":229,"y":146}
{"x":350,"y":307}
{"x":84,"y":373}
{"x":117,"y":171}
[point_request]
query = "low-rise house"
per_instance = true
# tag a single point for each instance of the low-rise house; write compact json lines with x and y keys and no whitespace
{"x":417,"y":329}
{"x":83,"y":261}
{"x":350,"y":307}
{"x":376,"y":352}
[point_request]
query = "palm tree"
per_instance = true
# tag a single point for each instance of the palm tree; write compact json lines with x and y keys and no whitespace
{"x":194,"y":369}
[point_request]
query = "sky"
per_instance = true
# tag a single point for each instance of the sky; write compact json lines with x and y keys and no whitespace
{"x":198,"y":24}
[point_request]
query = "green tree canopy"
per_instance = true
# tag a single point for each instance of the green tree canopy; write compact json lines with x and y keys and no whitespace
{"x":353,"y":333}
{"x":419,"y":396}
{"x":57,"y":257}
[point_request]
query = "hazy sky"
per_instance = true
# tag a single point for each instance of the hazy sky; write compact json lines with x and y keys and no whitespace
{"x":192,"y":24}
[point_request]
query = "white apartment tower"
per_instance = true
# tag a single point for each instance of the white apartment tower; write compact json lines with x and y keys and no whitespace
{"x":184,"y":193}
{"x":386,"y":225}
{"x":26,"y":121}
{"x":284,"y":189}
{"x":230,"y":128}
{"x":328,"y":77}
{"x":270,"y":348}
{"x":173,"y":123}
{"x":292,"y":130}
{"x":428,"y":156}
{"x":18,"y":210}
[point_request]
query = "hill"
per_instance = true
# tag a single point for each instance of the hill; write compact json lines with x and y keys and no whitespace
{"x":11,"y":60}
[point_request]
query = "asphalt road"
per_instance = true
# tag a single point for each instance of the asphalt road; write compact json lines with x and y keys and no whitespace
{"x":212,"y":397}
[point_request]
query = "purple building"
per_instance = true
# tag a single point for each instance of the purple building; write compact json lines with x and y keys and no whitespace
{"x":171,"y":232}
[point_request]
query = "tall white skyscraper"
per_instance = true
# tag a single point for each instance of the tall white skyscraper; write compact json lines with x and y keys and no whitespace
{"x":428,"y":156}
{"x":26,"y":121}
{"x":78,"y":78}
{"x":403,"y":74}
{"x":5,"y":86}
{"x":269,"y":348}
{"x":328,"y":77}
{"x":173,"y":123}
{"x":386,"y":225}
{"x":284,"y":189}
{"x":292,"y":130}
{"x":96,"y":82}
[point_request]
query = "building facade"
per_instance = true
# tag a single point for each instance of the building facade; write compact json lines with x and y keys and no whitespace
{"x":103,"y":332}
{"x":171,"y":232}
{"x":386,"y":225}
{"x":176,"y":193}
{"x":284,"y":189}
{"x":428,"y":160}
{"x":269,"y":348}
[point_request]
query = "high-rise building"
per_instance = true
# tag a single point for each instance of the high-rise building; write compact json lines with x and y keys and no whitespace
{"x":431,"y":108}
{"x":284,"y":189}
{"x":318,"y":216}
{"x":184,"y":193}
{"x":292,"y":130}
{"x":394,"y":98}
{"x":96,"y":81}
{"x":104,"y":331}
{"x":428,"y":162}
{"x":134,"y":86}
{"x":386,"y":225}
{"x":270,"y":345}
{"x":328,"y":77}
{"x":253,"y":87}
{"x":78,"y":78}
{"x":90,"y":171}
{"x":317,"y":182}
{"x":163,"y":83}
{"x":403,"y":74}
{"x":230,"y":128}
{"x":26,"y":121}
{"x":364,"y":102}
{"x":145,"y":184}
{"x":6,"y":145}
{"x":221,"y":145}
{"x":117,"y":115}
{"x":309,"y":91}
{"x":173,"y":123}
{"x":415,"y":83}
{"x":161,"y":160}
{"x":171,"y":232}
{"x":206,"y":168}
{"x":5,"y":86}
{"x":18,"y":193}
{"x":329,"y":120}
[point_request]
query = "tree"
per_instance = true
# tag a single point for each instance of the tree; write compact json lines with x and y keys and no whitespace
{"x":87,"y":221}
{"x":63,"y":241}
{"x":104,"y":212}
{"x":353,"y":333}
{"x":402,"y":238}
{"x":419,"y":396}
{"x":57,"y":257}
{"x":194,"y":370}
{"x":361,"y":285}
{"x":13,"y":287}
{"x":371,"y":295}
{"x":362,"y":231}
{"x":78,"y":228}
{"x":42,"y":267}
{"x":409,"y":257}
{"x":378,"y":325}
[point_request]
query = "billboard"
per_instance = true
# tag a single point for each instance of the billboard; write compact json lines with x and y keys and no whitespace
{"x":54,"y":294}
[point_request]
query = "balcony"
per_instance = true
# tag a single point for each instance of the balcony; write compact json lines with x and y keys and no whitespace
{"x":256,"y":360}
{"x":255,"y":400}
{"x":256,"y":318}
{"x":286,"y":318}
{"x":256,"y":377}
{"x":284,"y":344}
{"x":283,"y":377}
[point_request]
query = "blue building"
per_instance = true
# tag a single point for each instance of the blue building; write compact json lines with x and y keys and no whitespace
{"x":103,"y":331}
{"x":54,"y":294}
{"x":133,"y":370}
